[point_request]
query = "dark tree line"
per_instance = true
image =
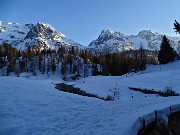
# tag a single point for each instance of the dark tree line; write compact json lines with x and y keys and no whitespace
{"x":7,"y":55}
{"x":63,"y":61}
{"x":125,"y":62}
{"x":73,"y":61}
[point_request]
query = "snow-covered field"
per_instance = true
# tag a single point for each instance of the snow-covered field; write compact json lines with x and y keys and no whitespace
{"x":32,"y":106}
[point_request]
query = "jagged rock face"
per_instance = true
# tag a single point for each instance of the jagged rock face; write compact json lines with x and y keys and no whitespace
{"x":151,"y":40}
{"x":40,"y":34}
{"x":148,"y":39}
{"x":42,"y":31}
{"x":147,"y":34}
{"x":116,"y":41}
{"x":43,"y":35}
{"x":109,"y":34}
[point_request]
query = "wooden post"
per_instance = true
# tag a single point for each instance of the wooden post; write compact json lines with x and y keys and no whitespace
{"x":170,"y":109}
{"x":156,"y":118}
{"x":144,"y":124}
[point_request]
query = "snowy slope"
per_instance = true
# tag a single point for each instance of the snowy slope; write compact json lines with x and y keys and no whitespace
{"x":33,"y":106}
{"x":113,"y":41}
{"x":150,"y":79}
{"x":39,"y":35}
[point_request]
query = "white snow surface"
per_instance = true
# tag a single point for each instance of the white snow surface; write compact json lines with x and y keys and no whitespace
{"x":32,"y":106}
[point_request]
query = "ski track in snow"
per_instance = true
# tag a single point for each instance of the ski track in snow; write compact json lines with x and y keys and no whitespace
{"x":34,"y":107}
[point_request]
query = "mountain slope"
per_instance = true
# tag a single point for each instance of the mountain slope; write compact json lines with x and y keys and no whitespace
{"x":113,"y":41}
{"x":40,"y":34}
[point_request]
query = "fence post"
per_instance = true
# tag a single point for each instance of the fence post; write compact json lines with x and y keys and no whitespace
{"x":170,"y":110}
{"x":144,"y":124}
{"x":156,"y":118}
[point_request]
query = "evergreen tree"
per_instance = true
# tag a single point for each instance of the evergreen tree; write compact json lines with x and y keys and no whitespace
{"x":63,"y":67}
{"x":177,"y":27}
{"x":104,"y":69}
{"x":73,"y":50}
{"x":166,"y":53}
{"x":2,"y":51}
{"x":95,"y":66}
{"x":29,"y":56}
{"x":11,"y":66}
{"x":53,"y":65}
{"x":135,"y":61}
{"x":177,"y":30}
{"x":2,"y":62}
{"x":142,"y":56}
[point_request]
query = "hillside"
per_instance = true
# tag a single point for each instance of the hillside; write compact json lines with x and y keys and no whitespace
{"x":33,"y":106}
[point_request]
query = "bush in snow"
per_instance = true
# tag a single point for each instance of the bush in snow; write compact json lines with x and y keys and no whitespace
{"x":168,"y":91}
{"x":115,"y":92}
{"x":109,"y":98}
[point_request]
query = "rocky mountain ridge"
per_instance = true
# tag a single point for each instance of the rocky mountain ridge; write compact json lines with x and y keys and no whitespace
{"x":113,"y":41}
{"x":44,"y":36}
{"x":40,"y":34}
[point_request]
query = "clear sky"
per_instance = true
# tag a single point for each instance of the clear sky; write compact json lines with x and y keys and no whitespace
{"x":83,"y":20}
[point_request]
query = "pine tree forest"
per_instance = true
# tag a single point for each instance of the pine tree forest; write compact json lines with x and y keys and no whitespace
{"x":72,"y":62}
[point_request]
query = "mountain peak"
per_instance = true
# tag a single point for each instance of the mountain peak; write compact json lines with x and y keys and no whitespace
{"x":8,"y":23}
{"x":148,"y":32}
{"x":110,"y":40}
{"x":107,"y":31}
{"x":45,"y":25}
{"x":40,"y":34}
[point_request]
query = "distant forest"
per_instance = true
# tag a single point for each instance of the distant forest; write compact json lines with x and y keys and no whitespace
{"x":71,"y":60}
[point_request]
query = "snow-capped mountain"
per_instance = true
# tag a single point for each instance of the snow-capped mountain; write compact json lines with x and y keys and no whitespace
{"x":45,"y":36}
{"x":151,"y":40}
{"x":113,"y":41}
{"x":40,"y":34}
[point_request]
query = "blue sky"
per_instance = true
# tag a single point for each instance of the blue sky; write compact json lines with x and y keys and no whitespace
{"x":83,"y":20}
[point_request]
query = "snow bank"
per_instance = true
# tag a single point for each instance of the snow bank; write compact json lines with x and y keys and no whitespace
{"x":160,"y":116}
